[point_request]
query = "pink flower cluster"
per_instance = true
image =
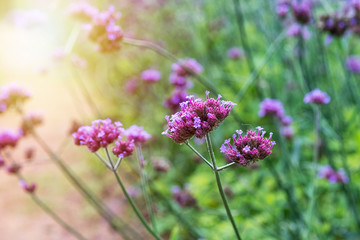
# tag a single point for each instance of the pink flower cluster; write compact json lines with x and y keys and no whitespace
{"x":11,"y":95}
{"x":101,"y":133}
{"x":272,"y":107}
{"x":197,"y":117}
{"x":82,"y":10}
{"x":249,"y":148}
{"x":137,"y":134}
{"x":235,"y":53}
{"x":333,"y":176}
{"x":9,"y":138}
{"x":301,"y":16}
{"x":104,"y":31}
{"x":151,"y":75}
{"x":317,"y":96}
{"x":179,"y":79}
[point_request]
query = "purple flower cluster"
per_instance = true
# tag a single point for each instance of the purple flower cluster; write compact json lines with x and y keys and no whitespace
{"x":331,"y":175}
{"x":274,"y":107}
{"x":179,"y":79}
{"x":301,"y":16}
{"x":271,"y":107}
{"x":197,"y":117}
{"x":30,"y":188}
{"x":151,"y":75}
{"x":249,"y":148}
{"x":11,"y":95}
{"x":137,"y":134}
{"x":101,"y":133}
{"x":104,"y":31}
{"x":183,"y":197}
{"x":235,"y":53}
{"x":317,"y":96}
{"x":9,"y":138}
{"x":353,"y":64}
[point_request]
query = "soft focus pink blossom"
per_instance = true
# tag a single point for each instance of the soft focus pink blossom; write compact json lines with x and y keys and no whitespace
{"x":151,"y":75}
{"x":317,"y":96}
{"x":187,"y":67}
{"x":137,"y":134}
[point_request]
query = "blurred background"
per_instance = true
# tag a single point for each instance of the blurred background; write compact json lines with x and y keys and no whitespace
{"x":248,"y":51}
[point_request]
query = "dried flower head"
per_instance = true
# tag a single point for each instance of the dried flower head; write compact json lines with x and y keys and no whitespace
{"x":31,"y":120}
{"x":317,"y":96}
{"x":101,"y":133}
{"x":197,"y":117}
{"x":249,"y":148}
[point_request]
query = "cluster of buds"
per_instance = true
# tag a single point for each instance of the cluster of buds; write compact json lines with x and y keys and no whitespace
{"x":333,"y":176}
{"x":183,"y":197}
{"x":197,"y":118}
{"x":103,"y":133}
{"x":300,"y":18}
{"x":339,"y":23}
{"x":317,"y":96}
{"x":11,"y":96}
{"x":179,"y":79}
{"x":151,"y":75}
{"x":248,"y":149}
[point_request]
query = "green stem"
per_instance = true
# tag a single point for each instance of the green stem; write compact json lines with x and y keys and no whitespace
{"x":52,"y":214}
{"x":220,"y":188}
{"x":225,"y":166}
{"x":99,"y":206}
{"x":201,"y":156}
{"x":136,"y":210}
{"x":144,"y":183}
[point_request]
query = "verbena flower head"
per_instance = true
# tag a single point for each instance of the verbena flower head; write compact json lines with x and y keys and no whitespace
{"x":353,"y":64}
{"x":11,"y":95}
{"x":302,"y":11}
{"x":271,"y":107}
{"x":286,"y":120}
{"x":183,"y":197}
{"x":197,"y":117}
{"x":151,"y":75}
{"x":9,"y":138}
{"x":317,"y":96}
{"x":82,"y":10}
{"x":296,"y":29}
{"x":180,"y":82}
{"x":123,"y":148}
{"x":249,"y":148}
{"x":104,"y":30}
{"x":177,"y":97}
{"x":235,"y":53}
{"x":181,"y":67}
{"x":287,"y":131}
{"x":30,"y":188}
{"x":137,"y":134}
{"x":101,"y":133}
{"x":282,"y":8}
{"x":331,"y":175}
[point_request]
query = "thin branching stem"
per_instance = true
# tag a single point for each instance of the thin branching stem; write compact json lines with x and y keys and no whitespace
{"x":220,"y":188}
{"x":199,"y":154}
